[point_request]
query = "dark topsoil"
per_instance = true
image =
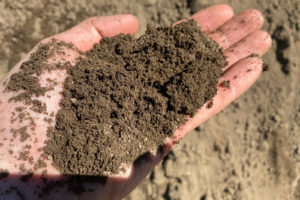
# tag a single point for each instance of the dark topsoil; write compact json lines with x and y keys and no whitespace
{"x":125,"y":96}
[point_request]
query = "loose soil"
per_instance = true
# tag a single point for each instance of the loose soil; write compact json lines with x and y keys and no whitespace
{"x":125,"y":96}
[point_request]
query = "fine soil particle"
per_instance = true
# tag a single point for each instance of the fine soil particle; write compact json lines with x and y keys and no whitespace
{"x":23,"y":155}
{"x":253,"y":55}
{"x":225,"y":84}
{"x":25,"y":178}
{"x":210,"y":104}
{"x":3,"y":174}
{"x":125,"y":96}
{"x":22,"y":132}
{"x":39,"y":164}
{"x":266,"y":67}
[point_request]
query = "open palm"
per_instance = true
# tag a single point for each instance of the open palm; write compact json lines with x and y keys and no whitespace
{"x":239,"y":36}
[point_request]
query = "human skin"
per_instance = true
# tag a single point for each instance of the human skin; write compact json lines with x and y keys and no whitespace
{"x":240,"y":36}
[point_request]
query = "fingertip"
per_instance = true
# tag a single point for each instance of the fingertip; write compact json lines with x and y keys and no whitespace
{"x":264,"y":41}
{"x":134,"y":22}
{"x":131,"y":21}
{"x":228,"y":11}
{"x":256,"y":16}
{"x":265,"y":37}
{"x":112,"y":25}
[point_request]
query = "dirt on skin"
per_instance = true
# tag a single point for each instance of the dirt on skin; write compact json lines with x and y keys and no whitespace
{"x":248,"y":151}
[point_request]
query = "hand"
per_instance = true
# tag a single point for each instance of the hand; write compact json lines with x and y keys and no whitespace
{"x":239,"y":36}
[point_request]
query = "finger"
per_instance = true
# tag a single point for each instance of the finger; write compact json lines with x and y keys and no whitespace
{"x":241,"y":76}
{"x":211,"y":18}
{"x":257,"y":43}
{"x":239,"y":27}
{"x":90,"y":31}
{"x":114,"y":25}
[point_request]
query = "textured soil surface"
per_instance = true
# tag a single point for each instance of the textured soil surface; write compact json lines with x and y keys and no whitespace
{"x":248,"y":151}
{"x":125,"y":96}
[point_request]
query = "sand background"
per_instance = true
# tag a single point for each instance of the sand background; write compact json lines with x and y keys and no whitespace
{"x":248,"y":151}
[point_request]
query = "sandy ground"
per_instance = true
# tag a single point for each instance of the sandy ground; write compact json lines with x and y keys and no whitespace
{"x":248,"y":151}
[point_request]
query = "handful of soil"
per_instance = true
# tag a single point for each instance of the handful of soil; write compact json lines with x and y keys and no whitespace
{"x":125,"y":96}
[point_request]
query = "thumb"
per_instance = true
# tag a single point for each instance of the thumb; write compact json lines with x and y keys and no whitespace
{"x":92,"y":30}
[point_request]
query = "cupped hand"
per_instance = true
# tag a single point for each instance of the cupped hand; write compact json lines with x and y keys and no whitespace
{"x":240,"y":36}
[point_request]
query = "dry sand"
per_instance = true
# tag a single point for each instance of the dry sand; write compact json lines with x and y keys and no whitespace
{"x":248,"y":151}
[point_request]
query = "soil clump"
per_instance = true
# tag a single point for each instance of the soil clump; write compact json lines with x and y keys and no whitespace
{"x":126,"y":95}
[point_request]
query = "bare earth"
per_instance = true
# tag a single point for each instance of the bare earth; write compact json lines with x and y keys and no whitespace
{"x":248,"y":151}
